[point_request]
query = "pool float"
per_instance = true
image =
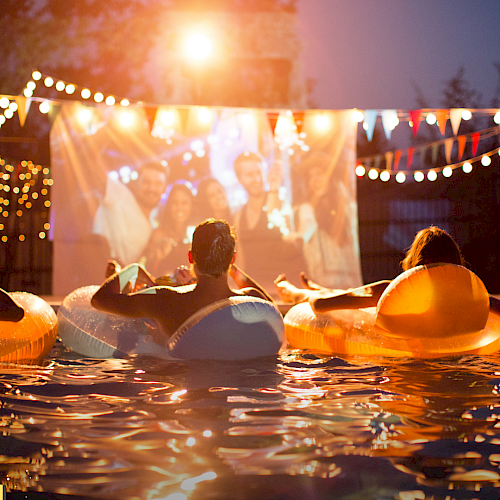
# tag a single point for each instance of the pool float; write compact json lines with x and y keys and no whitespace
{"x":231,"y":329}
{"x":426,"y":312}
{"x":29,"y":340}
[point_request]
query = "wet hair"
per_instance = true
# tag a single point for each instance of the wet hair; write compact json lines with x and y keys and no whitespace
{"x":213,"y":247}
{"x":431,"y":246}
{"x":244,"y":157}
{"x":156,"y":166}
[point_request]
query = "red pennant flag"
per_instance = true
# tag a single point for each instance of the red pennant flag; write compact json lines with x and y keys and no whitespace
{"x":273,"y":118}
{"x":415,"y":117}
{"x":298,"y":117}
{"x":388,"y":160}
{"x":411,"y":151}
{"x":441,"y":115}
{"x":151,"y":115}
{"x":462,"y":139}
{"x":397,"y":157}
{"x":475,"y":142}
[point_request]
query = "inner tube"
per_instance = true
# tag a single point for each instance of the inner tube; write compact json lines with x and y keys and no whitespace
{"x":427,"y":312}
{"x":29,"y":340}
{"x":236,"y":328}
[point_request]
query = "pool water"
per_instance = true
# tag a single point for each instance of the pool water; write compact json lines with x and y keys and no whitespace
{"x":296,"y":426}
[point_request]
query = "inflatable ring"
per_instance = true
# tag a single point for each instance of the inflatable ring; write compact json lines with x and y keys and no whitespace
{"x":240,"y":327}
{"x":427,"y":312}
{"x":29,"y":340}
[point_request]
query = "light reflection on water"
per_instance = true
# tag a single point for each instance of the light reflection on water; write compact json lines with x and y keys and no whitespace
{"x":298,"y":426}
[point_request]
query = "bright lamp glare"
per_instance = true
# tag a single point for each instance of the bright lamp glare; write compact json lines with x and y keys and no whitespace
{"x":36,"y":75}
{"x":385,"y":176}
{"x":110,"y":100}
{"x":358,"y":115}
{"x":400,"y":177}
{"x":48,"y":82}
{"x":431,"y":119}
{"x":84,"y":115}
{"x":126,"y":118}
{"x":467,"y":167}
{"x":167,"y":118}
{"x":447,"y":171}
{"x":98,"y":97}
{"x":70,"y":89}
{"x":31,"y":85}
{"x":44,"y":107}
{"x":496,"y":118}
{"x":419,"y":176}
{"x":485,"y":161}
{"x":60,"y":85}
{"x":4,"y":102}
{"x":373,"y":174}
{"x":86,"y":93}
{"x":204,"y":115}
{"x":466,"y":114}
{"x":322,"y":122}
{"x":27,"y":92}
{"x":360,"y":170}
{"x":432,"y":175}
{"x":198,"y":46}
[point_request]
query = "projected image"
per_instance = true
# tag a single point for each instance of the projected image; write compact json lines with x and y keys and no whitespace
{"x":130,"y":188}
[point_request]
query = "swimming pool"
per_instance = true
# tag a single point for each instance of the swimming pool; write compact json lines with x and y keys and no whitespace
{"x":296,"y":426}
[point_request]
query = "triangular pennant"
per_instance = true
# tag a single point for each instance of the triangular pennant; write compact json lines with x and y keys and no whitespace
{"x":273,"y":118}
{"x":415,"y":117}
{"x":389,"y":155}
{"x":434,"y":151}
{"x":455,"y":119}
{"x":389,"y":118}
{"x":410,"y":153}
{"x":184,"y":116}
{"x":376,"y":163}
{"x":397,"y":157}
{"x":298,"y":117}
{"x":21,"y":109}
{"x":462,"y":139}
{"x":150,"y":115}
{"x":441,"y":115}
{"x":369,"y":122}
{"x":53,"y":112}
{"x":448,"y":146}
{"x":475,"y":141}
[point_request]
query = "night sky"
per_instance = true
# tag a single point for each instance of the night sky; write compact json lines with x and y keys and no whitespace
{"x":367,"y":53}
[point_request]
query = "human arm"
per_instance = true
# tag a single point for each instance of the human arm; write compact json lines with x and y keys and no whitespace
{"x":356,"y":298}
{"x":494,"y":304}
{"x":246,"y":284}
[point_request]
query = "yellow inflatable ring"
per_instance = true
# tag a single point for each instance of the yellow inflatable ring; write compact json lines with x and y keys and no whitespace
{"x":365,"y":331}
{"x":29,"y":340}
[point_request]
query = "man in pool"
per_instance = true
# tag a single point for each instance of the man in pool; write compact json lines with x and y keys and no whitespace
{"x":212,"y":258}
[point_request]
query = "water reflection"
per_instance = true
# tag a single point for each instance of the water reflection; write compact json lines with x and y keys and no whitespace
{"x":296,"y":426}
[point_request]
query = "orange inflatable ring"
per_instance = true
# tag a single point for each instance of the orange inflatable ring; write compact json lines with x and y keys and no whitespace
{"x":29,"y":340}
{"x":426,"y":312}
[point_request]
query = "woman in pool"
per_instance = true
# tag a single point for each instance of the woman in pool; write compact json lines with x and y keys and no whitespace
{"x":170,"y":242}
{"x":211,"y":201}
{"x":430,"y":246}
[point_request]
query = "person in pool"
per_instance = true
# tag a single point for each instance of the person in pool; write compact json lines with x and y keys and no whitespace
{"x":212,"y":257}
{"x":431,"y":245}
{"x":10,"y":310}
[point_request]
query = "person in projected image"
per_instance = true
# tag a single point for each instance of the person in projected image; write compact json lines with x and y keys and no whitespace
{"x":431,"y":245}
{"x":169,"y":243}
{"x":211,"y":201}
{"x":127,"y":216}
{"x":261,"y":225}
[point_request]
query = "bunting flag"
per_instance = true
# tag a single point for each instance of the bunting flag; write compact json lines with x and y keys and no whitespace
{"x":409,"y":160}
{"x":455,"y":119}
{"x":298,"y":117}
{"x":475,"y":142}
{"x":377,"y":161}
{"x":397,"y":157}
{"x":183,"y":116}
{"x":150,"y":115}
{"x":21,"y":109}
{"x":273,"y":119}
{"x":53,"y":112}
{"x":462,"y":139}
{"x":388,"y":160}
{"x":389,"y":118}
{"x":415,"y":117}
{"x":435,"y":148}
{"x":441,"y":115}
{"x":369,"y":122}
{"x":448,"y":146}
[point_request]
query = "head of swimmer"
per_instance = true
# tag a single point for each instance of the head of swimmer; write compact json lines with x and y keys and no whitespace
{"x":432,"y":245}
{"x":151,"y":184}
{"x":212,"y":250}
